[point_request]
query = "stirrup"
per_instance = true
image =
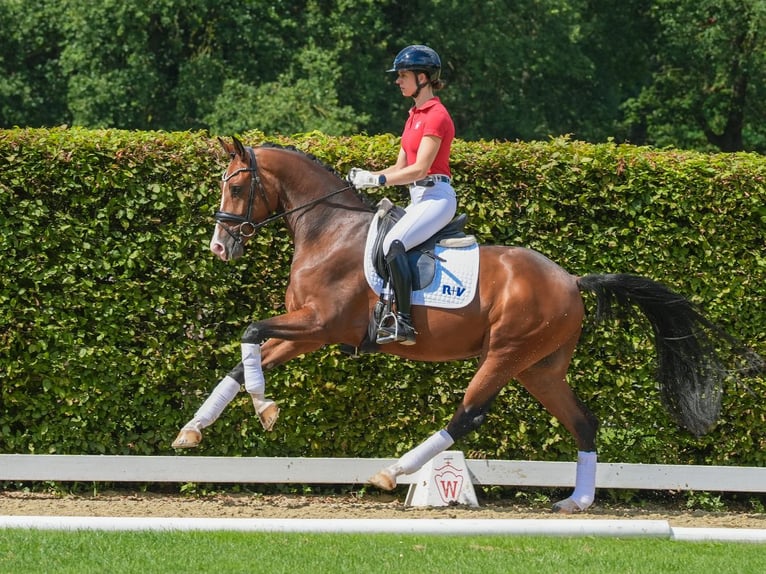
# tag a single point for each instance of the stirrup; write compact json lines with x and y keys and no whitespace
{"x":393,"y":329}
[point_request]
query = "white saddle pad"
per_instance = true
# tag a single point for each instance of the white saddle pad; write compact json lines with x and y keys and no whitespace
{"x":454,"y":283}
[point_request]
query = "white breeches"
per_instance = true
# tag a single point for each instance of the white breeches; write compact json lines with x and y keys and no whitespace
{"x":431,"y":209}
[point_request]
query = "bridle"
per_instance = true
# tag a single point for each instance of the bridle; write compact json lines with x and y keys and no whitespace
{"x":243,"y":222}
{"x":243,"y":226}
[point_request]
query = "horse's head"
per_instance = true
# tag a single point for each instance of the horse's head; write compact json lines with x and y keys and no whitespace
{"x":243,"y":202}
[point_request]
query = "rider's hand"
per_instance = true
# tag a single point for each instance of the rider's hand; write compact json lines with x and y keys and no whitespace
{"x":362,"y":178}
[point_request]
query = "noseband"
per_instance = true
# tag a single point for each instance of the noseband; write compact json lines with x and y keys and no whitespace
{"x":244,"y":222}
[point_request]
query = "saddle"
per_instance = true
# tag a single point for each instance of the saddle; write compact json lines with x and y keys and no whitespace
{"x":422,"y":258}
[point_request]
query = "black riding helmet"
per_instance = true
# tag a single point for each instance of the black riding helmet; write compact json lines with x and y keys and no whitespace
{"x":418,"y":58}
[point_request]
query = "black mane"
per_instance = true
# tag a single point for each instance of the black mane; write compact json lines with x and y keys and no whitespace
{"x":311,"y":156}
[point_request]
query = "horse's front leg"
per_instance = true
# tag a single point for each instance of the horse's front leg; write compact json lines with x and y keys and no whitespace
{"x":300,"y":332}
{"x":249,"y":372}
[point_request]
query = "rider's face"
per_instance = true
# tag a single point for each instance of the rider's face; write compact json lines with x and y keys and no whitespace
{"x":407,"y":82}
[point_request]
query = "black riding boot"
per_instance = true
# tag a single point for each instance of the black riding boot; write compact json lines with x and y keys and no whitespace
{"x":398,"y":327}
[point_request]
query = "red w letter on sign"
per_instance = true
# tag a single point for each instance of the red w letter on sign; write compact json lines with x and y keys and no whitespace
{"x":449,"y":482}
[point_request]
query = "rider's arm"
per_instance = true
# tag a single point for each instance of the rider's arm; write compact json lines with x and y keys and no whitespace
{"x":402,"y":174}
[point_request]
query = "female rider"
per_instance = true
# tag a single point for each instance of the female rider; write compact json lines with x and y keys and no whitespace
{"x":423,"y":165}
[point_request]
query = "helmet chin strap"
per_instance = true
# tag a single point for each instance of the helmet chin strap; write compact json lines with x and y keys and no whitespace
{"x":420,"y":86}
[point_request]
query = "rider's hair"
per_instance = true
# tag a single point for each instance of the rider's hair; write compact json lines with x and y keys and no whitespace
{"x":437,"y":84}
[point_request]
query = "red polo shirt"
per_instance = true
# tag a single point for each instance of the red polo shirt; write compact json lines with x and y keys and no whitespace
{"x":432,"y":119}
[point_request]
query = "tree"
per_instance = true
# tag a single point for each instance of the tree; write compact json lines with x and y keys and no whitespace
{"x":32,"y":86}
{"x":363,"y":36}
{"x":159,"y":64}
{"x":689,"y":73}
{"x":301,"y":99}
{"x":516,"y":68}
{"x":618,"y":40}
{"x":709,"y":76}
{"x":113,"y":77}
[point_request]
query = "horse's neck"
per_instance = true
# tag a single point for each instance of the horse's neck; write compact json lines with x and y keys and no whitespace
{"x":330,"y":224}
{"x":320,"y":213}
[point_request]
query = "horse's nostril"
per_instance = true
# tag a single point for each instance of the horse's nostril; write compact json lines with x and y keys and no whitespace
{"x":217,"y":248}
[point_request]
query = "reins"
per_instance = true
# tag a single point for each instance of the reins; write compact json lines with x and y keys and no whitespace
{"x":273,"y":218}
{"x":237,"y":233}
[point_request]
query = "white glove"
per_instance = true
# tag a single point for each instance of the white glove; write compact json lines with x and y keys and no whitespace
{"x":361,"y":178}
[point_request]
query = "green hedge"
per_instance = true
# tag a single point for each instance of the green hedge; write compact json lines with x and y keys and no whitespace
{"x":116,"y":321}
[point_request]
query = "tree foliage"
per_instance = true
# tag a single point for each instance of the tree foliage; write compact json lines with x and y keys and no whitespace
{"x":709,"y":75}
{"x":689,"y":73}
{"x":32,"y":84}
{"x":295,"y":100}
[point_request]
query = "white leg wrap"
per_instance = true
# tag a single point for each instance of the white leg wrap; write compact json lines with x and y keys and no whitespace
{"x":255,"y":382}
{"x":221,"y":396}
{"x":585,"y":481}
{"x":425,"y":451}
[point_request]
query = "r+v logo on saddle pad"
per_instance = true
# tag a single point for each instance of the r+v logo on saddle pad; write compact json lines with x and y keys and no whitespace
{"x":449,"y":289}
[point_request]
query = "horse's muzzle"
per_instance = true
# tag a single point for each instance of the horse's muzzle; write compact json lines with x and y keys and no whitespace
{"x":225,"y":245}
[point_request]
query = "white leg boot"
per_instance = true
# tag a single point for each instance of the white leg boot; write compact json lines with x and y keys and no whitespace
{"x":255,"y":383}
{"x":585,"y":486}
{"x":412,"y":460}
{"x":191,"y":433}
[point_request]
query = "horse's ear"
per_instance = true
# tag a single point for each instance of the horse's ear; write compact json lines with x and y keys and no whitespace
{"x":239,"y":147}
{"x":226,"y":146}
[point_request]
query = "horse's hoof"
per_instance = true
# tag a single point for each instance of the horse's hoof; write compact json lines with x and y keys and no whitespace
{"x":189,"y":437}
{"x":568,"y":506}
{"x":384,"y":480}
{"x":268,"y":413}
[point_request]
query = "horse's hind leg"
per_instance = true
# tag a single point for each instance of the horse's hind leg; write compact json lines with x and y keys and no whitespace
{"x":479,"y":395}
{"x":546,"y":381}
{"x":413,"y":460}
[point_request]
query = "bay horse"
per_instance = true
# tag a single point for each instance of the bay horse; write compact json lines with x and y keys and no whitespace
{"x":524,"y":322}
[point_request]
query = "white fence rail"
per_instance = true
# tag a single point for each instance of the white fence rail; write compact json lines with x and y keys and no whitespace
{"x":203,"y":469}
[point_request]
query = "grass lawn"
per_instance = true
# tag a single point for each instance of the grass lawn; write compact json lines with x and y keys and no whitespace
{"x":38,"y":551}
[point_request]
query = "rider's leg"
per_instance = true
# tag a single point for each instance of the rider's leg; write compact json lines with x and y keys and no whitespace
{"x":400,"y":330}
{"x":433,"y":210}
{"x":420,"y":221}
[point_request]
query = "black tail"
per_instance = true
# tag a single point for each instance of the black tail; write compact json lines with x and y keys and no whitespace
{"x":690,"y":372}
